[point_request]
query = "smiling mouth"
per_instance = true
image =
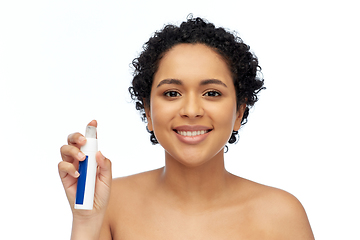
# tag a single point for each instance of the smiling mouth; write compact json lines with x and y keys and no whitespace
{"x":192,"y":133}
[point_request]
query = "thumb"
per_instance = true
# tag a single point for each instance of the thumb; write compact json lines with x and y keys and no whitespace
{"x":104,"y":165}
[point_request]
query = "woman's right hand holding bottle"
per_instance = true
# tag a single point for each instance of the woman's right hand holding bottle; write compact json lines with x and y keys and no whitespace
{"x":86,"y":223}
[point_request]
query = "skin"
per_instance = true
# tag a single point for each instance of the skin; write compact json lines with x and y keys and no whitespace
{"x":193,"y":196}
{"x":86,"y":224}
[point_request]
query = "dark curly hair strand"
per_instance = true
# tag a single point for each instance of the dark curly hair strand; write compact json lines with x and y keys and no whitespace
{"x":242,"y":63}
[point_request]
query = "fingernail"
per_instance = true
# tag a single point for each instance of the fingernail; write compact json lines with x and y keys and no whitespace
{"x":81,"y":139}
{"x":77,"y":174}
{"x":81,"y":156}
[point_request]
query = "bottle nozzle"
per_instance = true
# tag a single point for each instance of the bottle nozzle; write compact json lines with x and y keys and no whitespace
{"x":90,"y":132}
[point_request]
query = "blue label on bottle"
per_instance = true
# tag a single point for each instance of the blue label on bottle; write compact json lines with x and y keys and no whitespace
{"x":80,"y":190}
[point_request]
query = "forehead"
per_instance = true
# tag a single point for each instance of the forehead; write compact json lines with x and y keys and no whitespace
{"x":192,"y":62}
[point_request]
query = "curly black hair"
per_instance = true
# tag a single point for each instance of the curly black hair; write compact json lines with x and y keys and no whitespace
{"x":242,"y":63}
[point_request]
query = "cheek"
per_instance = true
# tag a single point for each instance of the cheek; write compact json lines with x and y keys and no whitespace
{"x":224,"y":114}
{"x":161,"y":113}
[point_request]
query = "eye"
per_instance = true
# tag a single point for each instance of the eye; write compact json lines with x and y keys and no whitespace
{"x":172,"y":94}
{"x":212,"y":94}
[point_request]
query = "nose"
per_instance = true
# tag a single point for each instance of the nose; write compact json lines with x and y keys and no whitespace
{"x":192,"y":107}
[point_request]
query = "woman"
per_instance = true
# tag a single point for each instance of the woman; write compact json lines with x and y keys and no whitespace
{"x":194,"y":85}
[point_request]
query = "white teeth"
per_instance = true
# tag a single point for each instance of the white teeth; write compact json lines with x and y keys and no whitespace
{"x":192,"y":133}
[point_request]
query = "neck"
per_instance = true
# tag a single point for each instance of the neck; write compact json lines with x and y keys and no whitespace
{"x":199,"y":185}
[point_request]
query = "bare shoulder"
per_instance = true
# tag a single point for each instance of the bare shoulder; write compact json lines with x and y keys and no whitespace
{"x":137,"y":179}
{"x":133,"y":191}
{"x":277,"y":212}
{"x":134,"y":186}
{"x":128,"y":197}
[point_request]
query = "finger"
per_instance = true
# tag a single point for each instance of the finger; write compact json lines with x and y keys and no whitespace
{"x":71,"y":153}
{"x":66,"y":168}
{"x":104,"y":167}
{"x":93,"y":123}
{"x":76,"y":139}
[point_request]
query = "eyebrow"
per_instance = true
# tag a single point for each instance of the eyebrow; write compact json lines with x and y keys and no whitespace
{"x":169,"y":81}
{"x":212,"y":81}
{"x":179,"y":82}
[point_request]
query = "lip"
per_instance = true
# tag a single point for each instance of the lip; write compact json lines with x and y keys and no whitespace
{"x":192,"y":128}
{"x":192,"y":139}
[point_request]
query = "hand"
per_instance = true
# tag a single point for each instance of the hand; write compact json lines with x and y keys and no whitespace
{"x":71,"y":155}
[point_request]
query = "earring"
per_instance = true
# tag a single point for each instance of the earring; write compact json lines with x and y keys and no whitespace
{"x":153,"y":139}
{"x":234,"y":137}
{"x":147,"y":129}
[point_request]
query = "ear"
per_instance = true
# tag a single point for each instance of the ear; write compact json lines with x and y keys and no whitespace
{"x":239,"y":116}
{"x":148,"y":117}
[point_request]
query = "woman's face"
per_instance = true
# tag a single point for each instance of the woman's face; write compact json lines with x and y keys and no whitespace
{"x":193,"y":104}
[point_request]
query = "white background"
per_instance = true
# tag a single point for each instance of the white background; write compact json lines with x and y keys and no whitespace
{"x":64,"y":63}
